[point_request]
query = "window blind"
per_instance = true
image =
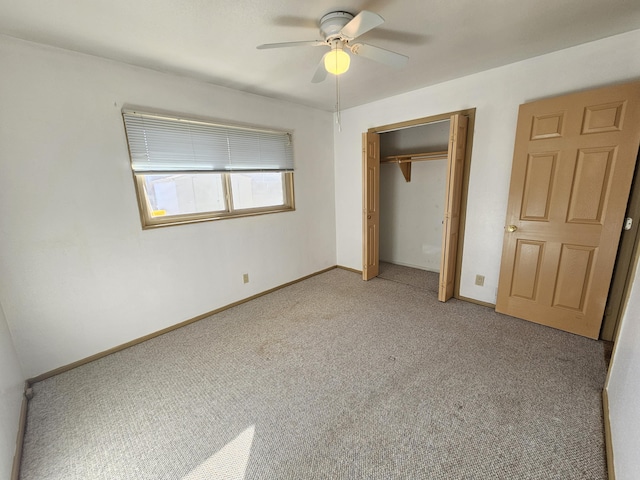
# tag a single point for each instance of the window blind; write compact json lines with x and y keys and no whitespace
{"x":158,"y":144}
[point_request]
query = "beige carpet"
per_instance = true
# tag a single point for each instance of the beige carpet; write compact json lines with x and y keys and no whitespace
{"x":330,"y":378}
{"x":423,"y":279}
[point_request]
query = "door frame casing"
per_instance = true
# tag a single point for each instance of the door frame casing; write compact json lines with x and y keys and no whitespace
{"x":470,"y":113}
{"x":624,"y":265}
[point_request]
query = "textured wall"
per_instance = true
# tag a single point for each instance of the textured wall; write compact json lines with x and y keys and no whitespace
{"x":411,"y":212}
{"x":79,"y":275}
{"x":496,"y":94}
{"x":623,"y":388}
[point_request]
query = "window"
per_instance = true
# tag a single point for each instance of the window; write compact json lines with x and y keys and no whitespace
{"x":191,"y":171}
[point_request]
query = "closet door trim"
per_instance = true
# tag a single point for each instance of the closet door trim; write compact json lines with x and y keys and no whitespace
{"x":471,"y":115}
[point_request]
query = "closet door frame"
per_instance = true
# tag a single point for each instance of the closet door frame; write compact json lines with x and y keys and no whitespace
{"x":470,"y":114}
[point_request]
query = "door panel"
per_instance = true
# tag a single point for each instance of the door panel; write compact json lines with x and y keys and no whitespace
{"x":371,"y":203}
{"x":538,"y":186}
{"x":574,"y":275}
{"x":574,"y":158}
{"x":547,"y":126}
{"x":591,"y":185}
{"x":453,"y":197}
{"x":603,"y":118}
{"x":526,"y":271}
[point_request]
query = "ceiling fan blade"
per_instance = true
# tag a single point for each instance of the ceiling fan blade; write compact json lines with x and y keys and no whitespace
{"x":310,"y":43}
{"x":361,"y":23}
{"x":321,"y":72}
{"x":378,"y":54}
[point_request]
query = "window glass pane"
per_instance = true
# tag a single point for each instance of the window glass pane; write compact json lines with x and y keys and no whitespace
{"x":185,"y":193}
{"x":253,"y":190}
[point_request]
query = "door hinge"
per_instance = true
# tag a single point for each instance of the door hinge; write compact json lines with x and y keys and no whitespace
{"x":628,"y":223}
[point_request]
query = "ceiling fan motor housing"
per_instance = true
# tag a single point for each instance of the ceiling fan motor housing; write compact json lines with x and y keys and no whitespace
{"x":332,"y":23}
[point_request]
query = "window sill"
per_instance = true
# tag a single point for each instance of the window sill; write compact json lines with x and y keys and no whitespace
{"x":158,"y":222}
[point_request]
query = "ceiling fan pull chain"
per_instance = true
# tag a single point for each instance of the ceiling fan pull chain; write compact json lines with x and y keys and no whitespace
{"x":338,"y":119}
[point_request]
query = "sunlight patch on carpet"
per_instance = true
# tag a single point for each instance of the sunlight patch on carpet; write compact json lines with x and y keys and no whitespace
{"x":228,"y":463}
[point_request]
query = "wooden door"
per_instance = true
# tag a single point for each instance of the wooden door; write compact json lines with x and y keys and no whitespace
{"x":574,"y":159}
{"x":453,"y":196}
{"x":371,"y":205}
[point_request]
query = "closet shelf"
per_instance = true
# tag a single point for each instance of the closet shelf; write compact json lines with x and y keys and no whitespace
{"x":404,"y":161}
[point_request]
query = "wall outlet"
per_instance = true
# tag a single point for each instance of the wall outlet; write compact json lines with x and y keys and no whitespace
{"x":480,"y":280}
{"x":245,"y":278}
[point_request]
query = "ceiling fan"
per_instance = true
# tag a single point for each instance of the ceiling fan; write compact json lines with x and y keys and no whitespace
{"x":339,"y":30}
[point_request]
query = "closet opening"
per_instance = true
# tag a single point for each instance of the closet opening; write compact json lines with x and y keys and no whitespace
{"x":415,"y":180}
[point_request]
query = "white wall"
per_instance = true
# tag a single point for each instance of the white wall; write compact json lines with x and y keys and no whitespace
{"x":11,"y":388}
{"x":79,"y":275}
{"x":623,"y":389}
{"x":411,"y":212}
{"x":419,"y":139}
{"x":496,"y":94}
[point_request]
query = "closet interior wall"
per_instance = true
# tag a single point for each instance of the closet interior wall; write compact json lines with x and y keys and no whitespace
{"x":411,"y":212}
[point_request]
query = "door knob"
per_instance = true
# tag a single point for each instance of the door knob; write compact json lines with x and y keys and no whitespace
{"x":511,"y":228}
{"x":368,"y":217}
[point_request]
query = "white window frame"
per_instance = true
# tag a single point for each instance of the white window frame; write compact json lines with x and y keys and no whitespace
{"x":142,"y":163}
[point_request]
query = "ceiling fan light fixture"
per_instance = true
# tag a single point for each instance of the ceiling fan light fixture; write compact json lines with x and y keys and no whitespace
{"x":337,"y":61}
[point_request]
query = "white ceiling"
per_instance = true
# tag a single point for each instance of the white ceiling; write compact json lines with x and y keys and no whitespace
{"x":215,"y":40}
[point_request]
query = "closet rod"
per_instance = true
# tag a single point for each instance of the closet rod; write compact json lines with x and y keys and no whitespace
{"x":416,"y":157}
